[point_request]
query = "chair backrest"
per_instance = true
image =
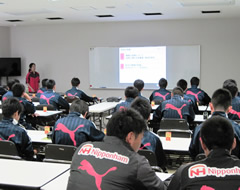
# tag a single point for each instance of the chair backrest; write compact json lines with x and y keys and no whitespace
{"x":35,"y":99}
{"x":177,"y":127}
{"x":200,"y":156}
{"x":172,"y":123}
{"x":150,"y":156}
{"x":49,"y":107}
{"x":8,"y":150}
{"x":59,"y":153}
{"x":113,"y":99}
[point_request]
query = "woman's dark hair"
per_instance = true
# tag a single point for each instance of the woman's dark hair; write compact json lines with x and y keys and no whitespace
{"x":30,"y":66}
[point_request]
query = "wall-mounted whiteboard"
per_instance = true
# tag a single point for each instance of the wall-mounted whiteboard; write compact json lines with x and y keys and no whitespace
{"x":119,"y":67}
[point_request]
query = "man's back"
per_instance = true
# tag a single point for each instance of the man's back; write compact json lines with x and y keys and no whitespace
{"x":160,"y":95}
{"x":53,"y":98}
{"x":218,"y":171}
{"x":124,"y":105}
{"x":80,"y":94}
{"x":234,"y":113}
{"x":111,"y":164}
{"x":14,"y":133}
{"x":176,"y":107}
{"x":74,"y":130}
{"x":195,"y":146}
{"x":151,"y":141}
{"x":201,"y":96}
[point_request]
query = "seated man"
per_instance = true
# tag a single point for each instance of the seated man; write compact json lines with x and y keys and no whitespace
{"x":43,"y":89}
{"x":114,"y":163}
{"x":53,"y":98}
{"x":74,"y":91}
{"x":161,"y":94}
{"x":150,"y":141}
{"x":232,"y":81}
{"x":220,"y":105}
{"x":9,"y":93}
{"x":130,"y":93}
{"x":183,"y":84}
{"x":219,"y":170}
{"x":75,"y":129}
{"x":176,"y":107}
{"x":139,"y":84}
{"x":10,"y":130}
{"x":28,"y":107}
{"x":234,"y":112}
{"x":201,"y":96}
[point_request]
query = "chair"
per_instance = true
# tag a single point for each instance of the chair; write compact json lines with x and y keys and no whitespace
{"x":46,"y":121}
{"x":113,"y":99}
{"x":35,"y":99}
{"x":200,"y":156}
{"x":177,"y":127}
{"x":151,"y":157}
{"x":8,"y":150}
{"x":49,"y":107}
{"x":59,"y":153}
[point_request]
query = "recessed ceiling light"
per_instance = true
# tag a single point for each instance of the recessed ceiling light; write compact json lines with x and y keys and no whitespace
{"x":210,"y":12}
{"x":104,"y":16}
{"x":110,"y":7}
{"x":206,"y":2}
{"x":152,"y":14}
{"x":14,"y":20}
{"x":54,"y":18}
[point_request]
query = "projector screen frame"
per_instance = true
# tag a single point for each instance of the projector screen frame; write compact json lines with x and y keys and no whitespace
{"x":185,"y":56}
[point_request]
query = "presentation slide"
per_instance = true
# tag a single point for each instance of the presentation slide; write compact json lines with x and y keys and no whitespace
{"x":146,"y":63}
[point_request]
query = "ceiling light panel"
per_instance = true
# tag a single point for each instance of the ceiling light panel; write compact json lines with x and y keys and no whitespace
{"x":206,"y":2}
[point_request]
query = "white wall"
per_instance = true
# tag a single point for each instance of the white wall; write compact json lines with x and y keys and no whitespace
{"x":61,"y":51}
{"x":5,"y":50}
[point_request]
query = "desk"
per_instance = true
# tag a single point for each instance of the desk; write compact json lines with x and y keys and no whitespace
{"x":176,"y":144}
{"x":41,"y":113}
{"x":101,"y":108}
{"x":60,"y":183}
{"x":34,"y":175}
{"x":38,"y":137}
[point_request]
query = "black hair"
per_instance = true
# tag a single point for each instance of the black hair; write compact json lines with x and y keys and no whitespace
{"x":11,"y":83}
{"x":139,"y":84}
{"x":182,"y":84}
{"x":124,"y":122}
{"x":142,"y":106}
{"x":18,"y":89}
{"x":30,"y":66}
{"x":50,"y":83}
{"x":230,"y":80}
{"x":75,"y":81}
{"x":217,"y":132}
{"x":79,"y":106}
{"x":163,"y":83}
{"x":233,"y":89}
{"x":177,"y":91}
{"x":44,"y":83}
{"x":10,"y":106}
{"x":222,"y":99}
{"x":194,"y":81}
{"x":131,"y":92}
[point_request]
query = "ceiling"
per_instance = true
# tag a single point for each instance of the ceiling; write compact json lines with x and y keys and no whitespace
{"x":33,"y":12}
